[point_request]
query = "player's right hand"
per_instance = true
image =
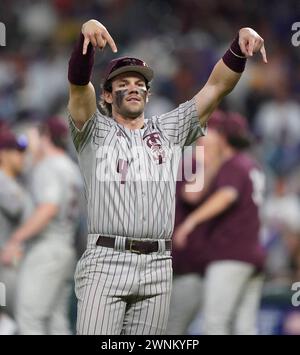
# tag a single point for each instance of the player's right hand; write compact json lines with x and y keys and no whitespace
{"x":182,"y":232}
{"x":11,"y":253}
{"x":94,"y":32}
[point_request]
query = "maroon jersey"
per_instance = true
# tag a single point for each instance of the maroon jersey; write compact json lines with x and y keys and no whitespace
{"x":192,"y":257}
{"x":234,"y":234}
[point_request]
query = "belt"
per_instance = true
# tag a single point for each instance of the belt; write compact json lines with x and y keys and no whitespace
{"x":134,"y":245}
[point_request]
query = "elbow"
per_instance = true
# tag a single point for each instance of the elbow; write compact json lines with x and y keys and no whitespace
{"x":52,"y":211}
{"x":230,"y":195}
{"x":227,"y":91}
{"x":49,"y":211}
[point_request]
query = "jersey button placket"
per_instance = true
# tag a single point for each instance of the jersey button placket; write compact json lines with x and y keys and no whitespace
{"x":139,"y":203}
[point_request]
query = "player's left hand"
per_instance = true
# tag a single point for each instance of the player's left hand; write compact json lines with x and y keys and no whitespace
{"x":250,"y":42}
{"x":181,"y":233}
{"x":11,"y":253}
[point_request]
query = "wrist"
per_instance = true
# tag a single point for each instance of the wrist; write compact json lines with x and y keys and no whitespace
{"x":236,"y":49}
{"x":81,"y":65}
{"x":16,"y":239}
{"x":234,"y":57}
{"x":191,"y":222}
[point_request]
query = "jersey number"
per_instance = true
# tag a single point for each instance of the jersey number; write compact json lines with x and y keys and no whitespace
{"x":258,"y":186}
{"x":122,"y":168}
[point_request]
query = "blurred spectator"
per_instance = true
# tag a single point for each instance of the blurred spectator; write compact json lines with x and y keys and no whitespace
{"x":278,"y":124}
{"x":280,"y":214}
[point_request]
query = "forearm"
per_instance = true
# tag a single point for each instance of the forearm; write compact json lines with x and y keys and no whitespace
{"x":227,"y":71}
{"x":36,"y":223}
{"x":223,"y":79}
{"x":81,"y":65}
{"x":82,"y":103}
{"x":221,"y":82}
{"x":219,"y":202}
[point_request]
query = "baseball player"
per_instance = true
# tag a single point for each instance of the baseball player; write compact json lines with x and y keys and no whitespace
{"x":14,"y":206}
{"x":45,"y":279}
{"x":123,"y":280}
{"x":189,"y":262}
{"x":234,"y":258}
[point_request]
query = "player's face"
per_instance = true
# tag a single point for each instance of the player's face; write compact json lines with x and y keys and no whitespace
{"x":129,"y":95}
{"x":212,"y":147}
{"x":13,"y":160}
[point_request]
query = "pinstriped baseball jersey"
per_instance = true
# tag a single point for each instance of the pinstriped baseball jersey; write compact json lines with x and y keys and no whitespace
{"x":111,"y":157}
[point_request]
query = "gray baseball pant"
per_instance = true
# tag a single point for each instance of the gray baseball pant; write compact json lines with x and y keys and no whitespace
{"x":187,"y":293}
{"x":44,"y":289}
{"x":120,"y":292}
{"x":232,"y":295}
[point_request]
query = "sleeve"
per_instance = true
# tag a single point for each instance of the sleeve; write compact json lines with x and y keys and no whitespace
{"x":82,"y":136}
{"x":231,"y":176}
{"x":182,"y":125}
{"x":47,"y":187}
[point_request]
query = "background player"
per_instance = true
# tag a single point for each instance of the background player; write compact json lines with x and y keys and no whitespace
{"x":46,"y":274}
{"x":189,"y":261}
{"x":14,"y":206}
{"x":123,"y":281}
{"x":230,"y":209}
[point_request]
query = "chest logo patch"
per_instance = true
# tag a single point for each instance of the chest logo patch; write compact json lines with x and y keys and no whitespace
{"x":153,"y":142}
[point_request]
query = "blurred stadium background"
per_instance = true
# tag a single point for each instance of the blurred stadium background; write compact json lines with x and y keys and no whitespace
{"x":181,"y":40}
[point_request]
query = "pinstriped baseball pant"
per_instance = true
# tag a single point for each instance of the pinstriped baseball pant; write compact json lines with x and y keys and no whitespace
{"x":120,"y":292}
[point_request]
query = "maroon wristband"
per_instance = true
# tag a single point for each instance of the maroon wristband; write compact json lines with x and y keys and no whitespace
{"x":80,"y":66}
{"x":234,"y":57}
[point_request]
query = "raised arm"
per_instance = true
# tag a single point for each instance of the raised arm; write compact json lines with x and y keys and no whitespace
{"x":82,"y":98}
{"x":228,"y":71}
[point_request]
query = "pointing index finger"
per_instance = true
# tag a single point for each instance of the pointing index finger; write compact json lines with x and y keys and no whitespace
{"x":264,"y":54}
{"x":85,"y":45}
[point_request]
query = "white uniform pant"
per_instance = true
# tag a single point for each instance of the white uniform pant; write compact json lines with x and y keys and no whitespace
{"x":8,"y":276}
{"x":186,"y":298}
{"x":44,"y":289}
{"x":232,"y":296}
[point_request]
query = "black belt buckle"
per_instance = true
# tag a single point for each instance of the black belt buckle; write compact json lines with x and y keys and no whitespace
{"x":131,"y":247}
